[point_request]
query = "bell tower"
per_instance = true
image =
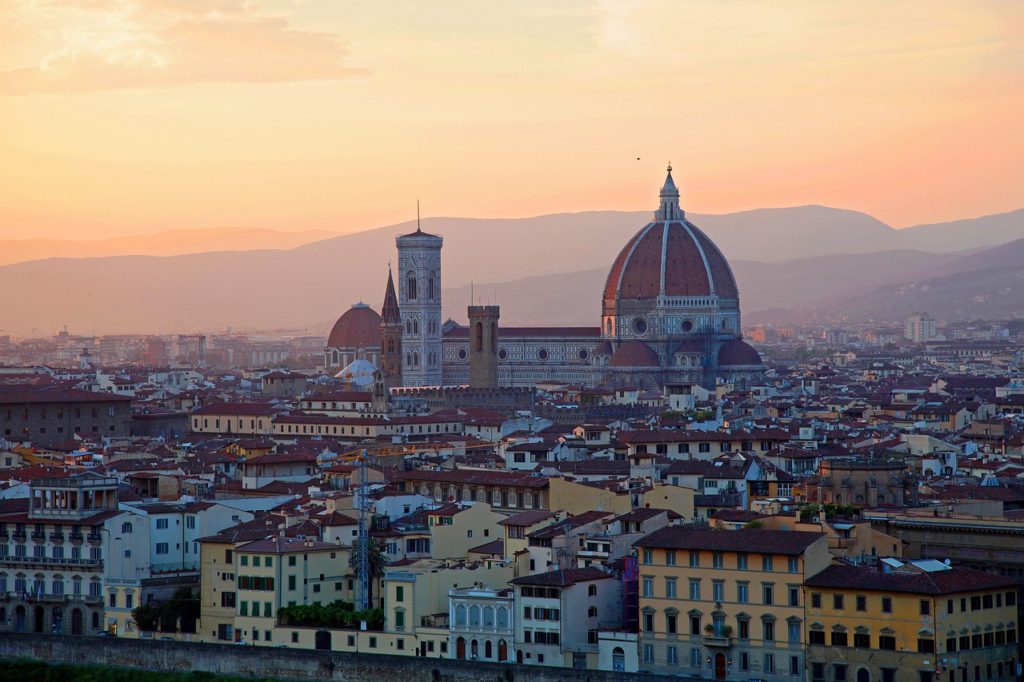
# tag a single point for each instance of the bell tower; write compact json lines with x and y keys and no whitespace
{"x":419,"y":300}
{"x":391,"y":337}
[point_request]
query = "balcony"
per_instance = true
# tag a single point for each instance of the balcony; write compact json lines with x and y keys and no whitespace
{"x":56,"y":537}
{"x":76,"y":537}
{"x":4,"y":536}
{"x":720,"y":642}
{"x":20,"y":536}
{"x":95,"y":538}
{"x":39,"y":535}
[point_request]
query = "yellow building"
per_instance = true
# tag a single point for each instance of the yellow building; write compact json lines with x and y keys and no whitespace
{"x":283,"y":571}
{"x":725,"y":604}
{"x":916,"y":622}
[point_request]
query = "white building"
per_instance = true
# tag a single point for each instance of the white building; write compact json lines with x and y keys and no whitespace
{"x":175,"y":528}
{"x":482,"y":624}
{"x":920,"y":328}
{"x":560,"y":613}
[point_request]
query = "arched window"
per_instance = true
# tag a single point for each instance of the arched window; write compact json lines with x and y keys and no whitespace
{"x":415,"y":326}
{"x":460,"y":615}
{"x":488,"y":616}
{"x":411,"y":286}
{"x":502,"y":617}
{"x":488,"y":650}
{"x":430,"y":286}
{"x":334,"y":358}
{"x":474,"y":616}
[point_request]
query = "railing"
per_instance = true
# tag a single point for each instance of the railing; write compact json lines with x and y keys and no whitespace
{"x":95,"y":537}
{"x":51,"y":561}
{"x":57,"y":537}
{"x":710,"y":640}
{"x":38,"y":535}
{"x":76,"y":537}
{"x":20,"y":535}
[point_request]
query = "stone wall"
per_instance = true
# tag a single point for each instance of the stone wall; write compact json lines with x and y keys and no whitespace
{"x":284,"y":664}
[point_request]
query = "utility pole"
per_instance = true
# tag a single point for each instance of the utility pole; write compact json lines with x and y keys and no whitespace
{"x":363,"y":597}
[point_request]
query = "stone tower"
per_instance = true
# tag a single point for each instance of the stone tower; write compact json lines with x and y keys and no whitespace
{"x":391,"y":337}
{"x":483,"y":346}
{"x":419,"y":299}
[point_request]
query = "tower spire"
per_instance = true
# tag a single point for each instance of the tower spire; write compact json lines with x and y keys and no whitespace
{"x":390,"y":313}
{"x":418,"y":230}
{"x":669,"y":208}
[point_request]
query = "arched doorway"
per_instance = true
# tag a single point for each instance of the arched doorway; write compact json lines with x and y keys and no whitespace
{"x":19,"y":619}
{"x":618,"y":660}
{"x":322,"y":640}
{"x":40,"y":619}
{"x":76,"y":621}
{"x":863,"y":675}
{"x":502,"y":650}
{"x":519,"y":656}
{"x":719,"y":666}
{"x":460,"y":648}
{"x":474,"y":650}
{"x":57,"y":621}
{"x":488,"y":650}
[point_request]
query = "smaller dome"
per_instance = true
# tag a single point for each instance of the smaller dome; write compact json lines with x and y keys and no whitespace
{"x":737,"y":352}
{"x":357,"y":373}
{"x":359,"y":327}
{"x":635,"y":354}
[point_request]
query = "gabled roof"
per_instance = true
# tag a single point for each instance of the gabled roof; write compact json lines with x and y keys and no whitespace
{"x":757,"y":540}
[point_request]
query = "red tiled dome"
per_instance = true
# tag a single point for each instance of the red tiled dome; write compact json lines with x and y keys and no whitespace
{"x":359,"y":327}
{"x":738,"y":352}
{"x":677,"y":251}
{"x":634,"y":354}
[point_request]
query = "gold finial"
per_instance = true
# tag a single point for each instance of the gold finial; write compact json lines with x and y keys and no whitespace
{"x":669,"y":166}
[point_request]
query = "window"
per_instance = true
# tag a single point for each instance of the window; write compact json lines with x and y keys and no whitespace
{"x":815,"y":600}
{"x":794,"y":632}
{"x":291,"y":560}
{"x":887,"y":642}
{"x":862,"y":602}
{"x":861,"y":640}
{"x":670,"y":588}
{"x":837,"y":602}
{"x":769,"y":663}
{"x":648,"y":587}
{"x":162,"y":548}
{"x":647,"y":556}
{"x":648,"y":621}
{"x":794,"y":595}
{"x":718,"y":590}
{"x":816,"y":637}
{"x":695,"y":590}
{"x":768,"y":630}
{"x":768,"y":593}
{"x":741,"y":562}
{"x":766,"y":563}
{"x":648,"y":653}
{"x":886,"y":604}
{"x":670,"y":623}
{"x":161,"y":524}
{"x":400,"y":593}
{"x":245,"y":559}
{"x":839,"y":672}
{"x":926,"y":646}
{"x":694,"y":625}
{"x":670,"y":557}
{"x":889,"y":675}
{"x":694,"y":559}
{"x":745,"y":661}
{"x":839,"y":638}
{"x":743,"y":593}
{"x":744,"y":628}
{"x":817,"y":672}
{"x":926,"y":607}
{"x":673,"y":658}
{"x":716,"y":560}
{"x":694,"y":657}
{"x":794,"y":564}
{"x":794,"y":666}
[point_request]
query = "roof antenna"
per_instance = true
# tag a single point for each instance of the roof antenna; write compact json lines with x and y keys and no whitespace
{"x":471,"y":301}
{"x":418,"y":216}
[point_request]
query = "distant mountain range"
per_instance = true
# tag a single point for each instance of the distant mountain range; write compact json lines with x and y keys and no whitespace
{"x":166,"y":243}
{"x":544,"y":270}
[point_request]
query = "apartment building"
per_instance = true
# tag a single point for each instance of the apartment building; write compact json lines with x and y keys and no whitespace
{"x":71,"y":562}
{"x":725,"y":604}
{"x":910,"y":622}
{"x":560,"y":614}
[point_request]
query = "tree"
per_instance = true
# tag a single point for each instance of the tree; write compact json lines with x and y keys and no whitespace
{"x":376,"y":562}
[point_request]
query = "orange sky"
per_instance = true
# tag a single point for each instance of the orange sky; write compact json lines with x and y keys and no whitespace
{"x":129,"y":116}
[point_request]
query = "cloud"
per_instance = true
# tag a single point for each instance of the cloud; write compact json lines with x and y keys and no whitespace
{"x":93,"y":45}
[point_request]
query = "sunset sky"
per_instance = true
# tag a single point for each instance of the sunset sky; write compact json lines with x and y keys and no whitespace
{"x":132,"y":116}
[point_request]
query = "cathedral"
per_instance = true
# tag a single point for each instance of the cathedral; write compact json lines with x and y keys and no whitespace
{"x":670,"y":317}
